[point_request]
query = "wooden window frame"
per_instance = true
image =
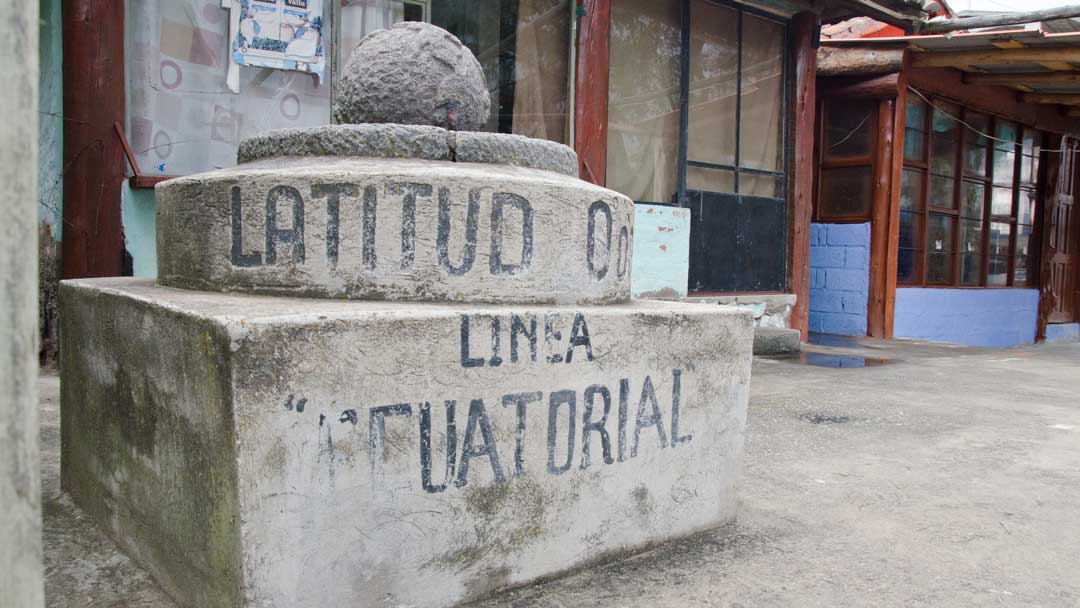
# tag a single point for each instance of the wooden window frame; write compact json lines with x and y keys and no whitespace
{"x":924,"y":209}
{"x":827,"y":161}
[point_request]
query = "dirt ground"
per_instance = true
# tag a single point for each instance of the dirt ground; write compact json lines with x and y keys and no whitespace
{"x":948,"y":477}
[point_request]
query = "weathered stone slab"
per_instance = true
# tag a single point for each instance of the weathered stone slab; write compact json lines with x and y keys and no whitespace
{"x":252,"y":452}
{"x":411,"y":141}
{"x":395,"y":230}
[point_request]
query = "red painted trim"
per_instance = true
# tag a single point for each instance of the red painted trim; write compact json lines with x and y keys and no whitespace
{"x":591,"y":91}
{"x":94,"y":161}
{"x":804,"y":27}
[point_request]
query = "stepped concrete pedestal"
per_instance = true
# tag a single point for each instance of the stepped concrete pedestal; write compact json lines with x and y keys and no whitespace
{"x":266,"y":451}
{"x":475,"y":403}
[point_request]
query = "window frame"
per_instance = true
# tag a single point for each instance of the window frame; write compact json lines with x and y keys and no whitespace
{"x":924,"y":210}
{"x":827,"y":161}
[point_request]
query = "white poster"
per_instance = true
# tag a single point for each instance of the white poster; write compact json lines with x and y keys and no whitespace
{"x":280,"y":34}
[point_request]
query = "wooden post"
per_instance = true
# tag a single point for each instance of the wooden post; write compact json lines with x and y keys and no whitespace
{"x":93,"y":36}
{"x":591,"y":91}
{"x":804,"y":34}
{"x":892,"y":250}
{"x":880,"y":214}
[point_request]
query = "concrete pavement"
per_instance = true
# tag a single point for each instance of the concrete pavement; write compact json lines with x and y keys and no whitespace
{"x":948,"y":477}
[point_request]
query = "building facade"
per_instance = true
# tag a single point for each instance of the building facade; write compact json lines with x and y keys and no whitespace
{"x":959,"y":185}
{"x":702,"y":111}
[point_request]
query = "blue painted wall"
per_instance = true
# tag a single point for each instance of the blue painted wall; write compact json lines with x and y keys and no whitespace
{"x":661,"y":264}
{"x":1062,"y":332}
{"x":839,"y":278}
{"x":994,"y":318}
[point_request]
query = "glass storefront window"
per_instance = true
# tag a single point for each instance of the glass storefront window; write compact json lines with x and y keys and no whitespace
{"x":643,"y":100}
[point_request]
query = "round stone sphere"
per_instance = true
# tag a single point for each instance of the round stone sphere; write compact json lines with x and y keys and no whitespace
{"x":415,"y":74}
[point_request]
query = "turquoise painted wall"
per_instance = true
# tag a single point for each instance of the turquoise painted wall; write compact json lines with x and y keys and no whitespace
{"x":661,"y":263}
{"x":137,"y":215}
{"x":50,"y":117}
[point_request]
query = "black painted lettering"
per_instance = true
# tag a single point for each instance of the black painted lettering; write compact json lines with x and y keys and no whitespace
{"x":425,"y":446}
{"x":478,"y":418}
{"x":333,"y":194}
{"x":552,"y":336}
{"x":653,"y":419}
{"x":624,"y":401}
{"x":442,"y":241}
{"x":409,"y":191}
{"x":623,"y":263}
{"x":466,"y":360}
{"x":588,"y":427}
{"x":496,"y":342}
{"x":676,"y":400}
{"x":500,"y":201}
{"x":371,"y":204}
{"x":377,"y":428}
{"x":521,"y":402}
{"x":579,"y":336}
{"x":555,"y":400}
{"x":284,"y":236}
{"x":239,"y":258}
{"x":598,"y":271}
{"x":517,"y":326}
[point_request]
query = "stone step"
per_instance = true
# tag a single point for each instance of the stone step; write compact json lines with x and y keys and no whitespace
{"x":776,"y":341}
{"x":257,"y":451}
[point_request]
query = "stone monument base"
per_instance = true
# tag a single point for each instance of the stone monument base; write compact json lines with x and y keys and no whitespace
{"x":265,"y":451}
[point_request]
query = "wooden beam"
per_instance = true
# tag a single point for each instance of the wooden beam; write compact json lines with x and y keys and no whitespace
{"x":940,"y":26}
{"x":591,"y":91}
{"x":995,"y":57}
{"x":1063,"y":99}
{"x":1023,"y":78}
{"x":93,"y":34}
{"x":882,"y":87}
{"x":804,"y":27}
{"x":840,"y":61}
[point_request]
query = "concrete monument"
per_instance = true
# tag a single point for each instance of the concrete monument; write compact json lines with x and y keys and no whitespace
{"x":394,"y":365}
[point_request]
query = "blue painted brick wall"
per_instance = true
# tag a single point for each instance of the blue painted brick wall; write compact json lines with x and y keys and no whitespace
{"x":839,"y":278}
{"x":994,"y":318}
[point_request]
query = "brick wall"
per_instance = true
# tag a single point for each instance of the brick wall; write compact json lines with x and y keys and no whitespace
{"x":839,"y":278}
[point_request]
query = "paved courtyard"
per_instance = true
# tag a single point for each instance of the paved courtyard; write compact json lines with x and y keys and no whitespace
{"x":947,"y":477}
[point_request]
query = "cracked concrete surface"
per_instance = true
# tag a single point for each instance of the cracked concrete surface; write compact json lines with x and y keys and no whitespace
{"x":948,"y":478}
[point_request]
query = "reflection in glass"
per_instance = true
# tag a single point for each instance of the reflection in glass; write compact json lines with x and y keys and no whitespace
{"x":849,"y":127}
{"x":998,"y":269}
{"x":939,"y":249}
{"x":943,"y":140}
{"x":643,"y":99}
{"x":971,"y":200}
{"x":911,"y":189}
{"x":941,"y":192}
{"x":1005,"y":154}
{"x":975,"y":144}
{"x":910,"y":234}
{"x":762,"y":93}
{"x":846,"y":192}
{"x":914,"y":134}
{"x":714,"y":65}
{"x":970,"y":251}
{"x":1001,"y":201}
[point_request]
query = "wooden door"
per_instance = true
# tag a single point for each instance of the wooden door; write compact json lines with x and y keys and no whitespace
{"x":1062,"y":236}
